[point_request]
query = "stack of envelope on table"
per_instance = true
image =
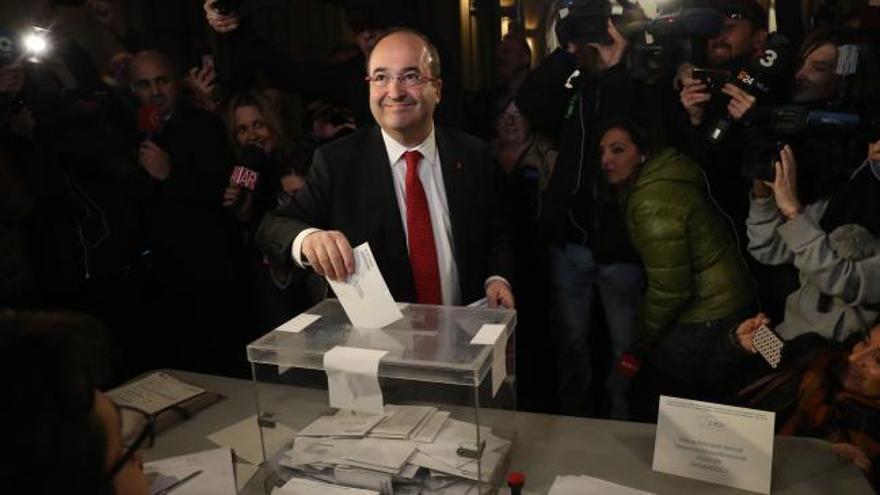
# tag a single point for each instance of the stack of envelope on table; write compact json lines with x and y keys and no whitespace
{"x":409,"y":449}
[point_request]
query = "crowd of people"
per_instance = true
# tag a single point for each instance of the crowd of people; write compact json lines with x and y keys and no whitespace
{"x":730,"y":183}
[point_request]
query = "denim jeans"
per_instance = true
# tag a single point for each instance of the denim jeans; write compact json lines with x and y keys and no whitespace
{"x":575,"y":275}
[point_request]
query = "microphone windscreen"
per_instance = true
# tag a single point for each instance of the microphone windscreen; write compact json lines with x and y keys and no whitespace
{"x":149,"y":119}
{"x":254,"y":158}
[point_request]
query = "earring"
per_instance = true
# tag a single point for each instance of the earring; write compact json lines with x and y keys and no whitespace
{"x":644,"y":159}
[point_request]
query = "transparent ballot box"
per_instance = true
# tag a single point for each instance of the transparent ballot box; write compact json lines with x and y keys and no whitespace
{"x":426,"y":435}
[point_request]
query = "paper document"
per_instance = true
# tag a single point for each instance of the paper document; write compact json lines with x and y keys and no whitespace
{"x":244,"y":438}
{"x":727,"y":445}
{"x":318,"y":450}
{"x":217,"y":475}
{"x":496,"y":336}
{"x":380,"y":454}
{"x":429,"y":430}
{"x":243,"y":473}
{"x":299,"y":486}
{"x":445,"y":456}
{"x":587,"y":485}
{"x":353,"y":379}
{"x":298,"y":323}
{"x":365,"y":296}
{"x":401,"y":421}
{"x":154,"y":393}
{"x":344,"y":423}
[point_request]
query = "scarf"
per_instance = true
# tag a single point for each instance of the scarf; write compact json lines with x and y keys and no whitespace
{"x":821,"y":407}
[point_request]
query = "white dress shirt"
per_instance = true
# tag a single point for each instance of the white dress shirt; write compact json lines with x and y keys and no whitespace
{"x":431,"y":175}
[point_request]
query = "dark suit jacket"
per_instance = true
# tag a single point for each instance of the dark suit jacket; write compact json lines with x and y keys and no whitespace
{"x":350,"y":188}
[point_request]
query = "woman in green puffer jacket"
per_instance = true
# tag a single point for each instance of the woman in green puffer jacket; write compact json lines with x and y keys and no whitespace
{"x":698,"y":285}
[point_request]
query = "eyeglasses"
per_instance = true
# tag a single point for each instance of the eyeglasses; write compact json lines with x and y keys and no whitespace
{"x":409,"y":79}
{"x":138,"y":432}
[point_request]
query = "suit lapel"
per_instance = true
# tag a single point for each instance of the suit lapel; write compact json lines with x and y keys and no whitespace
{"x":454,"y":180}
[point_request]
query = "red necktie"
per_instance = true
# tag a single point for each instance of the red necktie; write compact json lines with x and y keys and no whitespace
{"x":422,"y":252}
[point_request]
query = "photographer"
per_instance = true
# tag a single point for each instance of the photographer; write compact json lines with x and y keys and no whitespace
{"x":834,"y":243}
{"x":577,"y":86}
{"x":838,"y":72}
{"x":743,"y":35}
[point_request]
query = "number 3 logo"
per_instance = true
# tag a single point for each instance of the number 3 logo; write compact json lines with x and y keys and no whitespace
{"x":769,"y":58}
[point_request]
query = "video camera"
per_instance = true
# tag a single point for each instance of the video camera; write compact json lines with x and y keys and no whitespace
{"x":583,"y":21}
{"x":835,"y":132}
{"x":678,"y":35}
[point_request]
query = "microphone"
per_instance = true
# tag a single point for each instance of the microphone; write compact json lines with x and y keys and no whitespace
{"x":791,"y":120}
{"x":150,"y":120}
{"x":700,"y":22}
{"x":771,"y":68}
{"x":254,"y":161}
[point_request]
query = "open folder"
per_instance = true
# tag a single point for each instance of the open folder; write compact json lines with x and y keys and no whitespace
{"x":167,"y":398}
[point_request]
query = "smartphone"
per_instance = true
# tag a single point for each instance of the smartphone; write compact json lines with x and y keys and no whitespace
{"x":714,"y":79}
{"x":768,"y":345}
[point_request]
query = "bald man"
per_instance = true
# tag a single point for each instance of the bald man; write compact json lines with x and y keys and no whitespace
{"x":185,"y":167}
{"x":422,"y":196}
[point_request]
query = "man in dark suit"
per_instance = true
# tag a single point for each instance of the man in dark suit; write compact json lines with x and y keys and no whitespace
{"x":421,"y":196}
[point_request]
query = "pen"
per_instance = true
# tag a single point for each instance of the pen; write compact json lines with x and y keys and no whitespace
{"x":179,"y":482}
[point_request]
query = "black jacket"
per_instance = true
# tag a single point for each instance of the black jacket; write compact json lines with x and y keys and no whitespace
{"x":350,"y":188}
{"x":579,"y":205}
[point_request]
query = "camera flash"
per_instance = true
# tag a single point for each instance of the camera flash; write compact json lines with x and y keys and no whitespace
{"x":36,"y":43}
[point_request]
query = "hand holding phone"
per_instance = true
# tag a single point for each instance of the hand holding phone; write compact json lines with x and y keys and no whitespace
{"x":768,"y":345}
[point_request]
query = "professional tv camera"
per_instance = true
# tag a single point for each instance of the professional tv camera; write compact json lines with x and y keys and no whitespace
{"x":831,"y":139}
{"x":677,"y":35}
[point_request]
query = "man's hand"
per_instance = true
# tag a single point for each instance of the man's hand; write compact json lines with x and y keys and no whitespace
{"x":610,"y":55}
{"x":498,"y":293}
{"x":874,"y":151}
{"x":329,"y":253}
{"x":694,"y":97}
{"x":154,"y":160}
{"x":201,"y":80}
{"x":745,"y":332}
{"x":218,"y":22}
{"x":785,"y":184}
{"x":741,"y":102}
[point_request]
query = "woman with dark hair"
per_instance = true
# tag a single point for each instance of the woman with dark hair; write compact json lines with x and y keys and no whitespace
{"x":63,"y":434}
{"x":820,"y":389}
{"x":834,"y":243}
{"x":697,"y":283}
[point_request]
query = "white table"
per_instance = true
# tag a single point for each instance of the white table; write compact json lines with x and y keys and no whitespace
{"x":547,"y":446}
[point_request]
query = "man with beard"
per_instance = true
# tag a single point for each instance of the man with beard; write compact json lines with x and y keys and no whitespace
{"x":744,"y":34}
